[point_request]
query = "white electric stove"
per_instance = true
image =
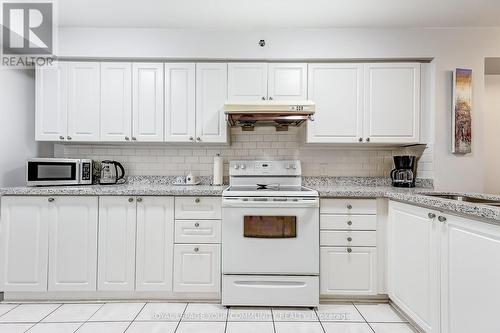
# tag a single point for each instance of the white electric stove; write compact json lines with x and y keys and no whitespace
{"x":270,"y":236}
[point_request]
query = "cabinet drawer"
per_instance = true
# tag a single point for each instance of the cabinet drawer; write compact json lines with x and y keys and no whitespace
{"x":348,"y":222}
{"x":197,"y":231}
{"x":348,"y":206}
{"x":348,"y":238}
{"x":193,"y":208}
{"x":348,"y":273}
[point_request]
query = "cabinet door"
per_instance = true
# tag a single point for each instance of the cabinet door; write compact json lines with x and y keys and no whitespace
{"x":247,"y":81}
{"x":348,"y":273}
{"x":73,"y":243}
{"x":211,"y":94}
{"x":116,"y":262}
{"x":180,"y":102}
{"x":287,"y":82}
{"x":83,"y":101}
{"x":155,"y":243}
{"x":337,"y":90}
{"x":24,"y":244}
{"x":147,"y":105}
{"x":197,"y":268}
{"x":413,"y":263}
{"x":51,"y":103}
{"x":470,"y":271}
{"x":392,"y":103}
{"x":116,"y":101}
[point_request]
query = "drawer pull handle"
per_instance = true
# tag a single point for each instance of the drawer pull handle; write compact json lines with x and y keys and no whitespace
{"x":197,"y":200}
{"x":196,"y":249}
{"x":349,"y":250}
{"x":51,"y":199}
{"x":349,"y":222}
{"x":196,"y":224}
{"x":349,"y":206}
{"x":349,"y":239}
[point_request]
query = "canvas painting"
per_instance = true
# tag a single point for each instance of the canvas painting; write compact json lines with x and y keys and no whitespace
{"x":462,"y":105}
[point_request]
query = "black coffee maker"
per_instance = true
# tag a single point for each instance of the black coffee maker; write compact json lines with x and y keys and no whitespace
{"x":405,"y":172}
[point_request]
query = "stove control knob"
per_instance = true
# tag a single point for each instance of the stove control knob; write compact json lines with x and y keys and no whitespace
{"x":294,"y":166}
{"x":236,"y":166}
{"x":243,"y":167}
{"x":287,"y":166}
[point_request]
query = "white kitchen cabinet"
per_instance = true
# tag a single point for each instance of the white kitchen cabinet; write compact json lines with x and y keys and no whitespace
{"x":147,"y":102}
{"x":413,"y":268}
{"x":470,"y":272}
{"x":116,"y":241}
{"x":155,"y":243}
{"x":337,"y":90}
{"x":72,"y":243}
{"x":197,"y":268}
{"x":24,"y":243}
{"x":392,"y":103}
{"x":84,"y":90}
{"x":211,"y":94}
{"x":247,"y":81}
{"x":287,"y":81}
{"x":116,"y":101}
{"x":51,"y":120}
{"x":180,"y":103}
{"x":198,"y":208}
{"x":348,"y":271}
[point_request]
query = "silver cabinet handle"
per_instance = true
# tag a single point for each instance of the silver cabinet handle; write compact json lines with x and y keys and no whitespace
{"x":196,"y":249}
{"x":127,"y":138}
{"x":360,"y":139}
{"x":191,"y":138}
{"x":349,"y":206}
{"x":270,"y":98}
{"x":61,"y":137}
{"x":69,"y":138}
{"x":349,"y":250}
{"x":134,"y":138}
{"x":442,"y":219}
{"x":198,"y":138}
{"x":367,"y":139}
{"x":196,"y":224}
{"x":51,"y":199}
{"x":263,"y":98}
{"x":349,"y":239}
{"x":431,"y":215}
{"x":197,"y":200}
{"x":139,"y":199}
{"x":349,"y":222}
{"x":130,"y":199}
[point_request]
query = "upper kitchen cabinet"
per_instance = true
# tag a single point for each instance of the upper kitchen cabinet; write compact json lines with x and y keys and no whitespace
{"x":116,"y":101}
{"x":84,"y":90}
{"x":51,"y":105}
{"x":337,"y":90}
{"x":287,"y":81}
{"x":211,"y":94}
{"x":392,"y":103}
{"x":247,"y":81}
{"x":147,"y":102}
{"x":180,"y":103}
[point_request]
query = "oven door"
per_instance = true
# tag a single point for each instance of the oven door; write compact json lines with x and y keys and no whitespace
{"x":271,"y":237}
{"x":52,"y":171}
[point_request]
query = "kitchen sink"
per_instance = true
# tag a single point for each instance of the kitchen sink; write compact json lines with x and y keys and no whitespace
{"x":466,"y":198}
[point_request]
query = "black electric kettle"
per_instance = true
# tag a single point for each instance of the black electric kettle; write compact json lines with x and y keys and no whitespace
{"x":110,"y":174}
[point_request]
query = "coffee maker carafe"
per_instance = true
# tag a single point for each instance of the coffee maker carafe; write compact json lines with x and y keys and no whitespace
{"x":405,"y":172}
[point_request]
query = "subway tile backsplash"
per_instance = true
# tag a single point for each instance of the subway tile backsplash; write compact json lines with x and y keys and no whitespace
{"x":169,"y":159}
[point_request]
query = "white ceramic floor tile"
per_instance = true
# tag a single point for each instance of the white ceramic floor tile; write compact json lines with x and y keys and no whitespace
{"x":55,"y":328}
{"x":379,"y":313}
{"x":73,"y":313}
{"x":117,"y":312}
{"x":152,"y":327}
{"x":14,"y":328}
{"x":204,"y":312}
{"x":205,"y":327}
{"x":298,"y":327}
{"x":250,"y":314}
{"x":4,"y":308}
{"x":291,"y":314}
{"x":331,"y":327}
{"x":339,"y":312}
{"x":392,"y":328}
{"x":249,"y":327}
{"x":162,"y":312}
{"x":104,"y":327}
{"x":29,"y":313}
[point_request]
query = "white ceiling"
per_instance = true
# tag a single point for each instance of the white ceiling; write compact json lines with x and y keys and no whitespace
{"x":251,"y":14}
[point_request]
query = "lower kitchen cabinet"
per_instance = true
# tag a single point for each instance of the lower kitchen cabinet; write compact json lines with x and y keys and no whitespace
{"x":348,"y":271}
{"x":24,"y":243}
{"x":117,"y":229}
{"x":72,"y":243}
{"x":197,"y":268}
{"x":155,"y":243}
{"x":413,"y":268}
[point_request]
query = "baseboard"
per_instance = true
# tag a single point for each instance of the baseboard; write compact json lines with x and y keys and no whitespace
{"x":405,"y":316}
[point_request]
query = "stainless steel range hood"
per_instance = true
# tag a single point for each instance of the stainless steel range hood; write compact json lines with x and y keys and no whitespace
{"x":280,"y":114}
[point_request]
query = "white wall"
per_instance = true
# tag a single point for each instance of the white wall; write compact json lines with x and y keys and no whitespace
{"x":449,"y":48}
{"x":17,"y":126}
{"x":492,"y":133}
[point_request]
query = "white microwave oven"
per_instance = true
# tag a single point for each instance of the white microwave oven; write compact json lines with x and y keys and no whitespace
{"x":58,"y":171}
